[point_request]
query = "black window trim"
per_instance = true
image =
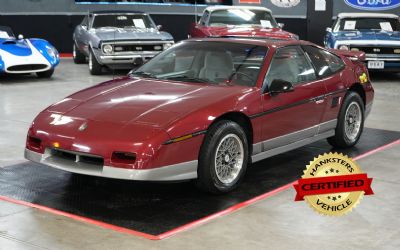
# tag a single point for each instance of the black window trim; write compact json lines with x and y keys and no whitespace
{"x":324,"y":49}
{"x":264,"y":88}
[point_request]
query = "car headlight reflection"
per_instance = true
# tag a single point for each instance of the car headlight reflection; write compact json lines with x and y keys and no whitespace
{"x":108,"y":49}
{"x":344,"y":47}
{"x":52,"y":53}
{"x":167,"y":45}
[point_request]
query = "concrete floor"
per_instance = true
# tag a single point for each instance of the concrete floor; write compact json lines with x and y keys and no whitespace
{"x":274,"y":223}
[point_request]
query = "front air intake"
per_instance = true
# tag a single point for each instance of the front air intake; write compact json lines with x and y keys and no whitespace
{"x":26,"y":67}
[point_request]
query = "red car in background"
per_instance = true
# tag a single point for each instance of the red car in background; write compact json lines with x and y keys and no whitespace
{"x":205,"y":109}
{"x":239,"y":21}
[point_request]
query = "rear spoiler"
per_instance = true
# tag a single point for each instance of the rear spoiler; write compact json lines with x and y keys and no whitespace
{"x":352,"y":55}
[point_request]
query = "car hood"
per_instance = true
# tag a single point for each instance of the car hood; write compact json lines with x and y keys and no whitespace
{"x":111,"y":34}
{"x":252,"y":31}
{"x":368,"y":35}
{"x":15,"y":47}
{"x":147,"y":102}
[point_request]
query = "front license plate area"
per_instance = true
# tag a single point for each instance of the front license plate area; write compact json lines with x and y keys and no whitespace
{"x":376,"y":64}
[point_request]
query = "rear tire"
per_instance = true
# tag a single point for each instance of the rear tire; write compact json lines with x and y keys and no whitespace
{"x":223,"y":158}
{"x":95,"y":68}
{"x":350,"y":122}
{"x":77,"y":55}
{"x":45,"y":74}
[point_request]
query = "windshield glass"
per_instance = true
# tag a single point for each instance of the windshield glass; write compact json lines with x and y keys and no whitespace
{"x":138,"y":21}
{"x":386,"y":24}
{"x":242,"y":17}
{"x":207,"y":62}
{"x":6,"y":32}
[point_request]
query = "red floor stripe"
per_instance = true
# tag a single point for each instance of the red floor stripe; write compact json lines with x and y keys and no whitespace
{"x":66,"y":55}
{"x":184,"y":227}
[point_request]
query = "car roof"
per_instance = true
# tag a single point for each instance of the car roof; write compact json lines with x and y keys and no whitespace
{"x":366,"y":15}
{"x":212,"y":8}
{"x":255,"y":41}
{"x":100,"y":12}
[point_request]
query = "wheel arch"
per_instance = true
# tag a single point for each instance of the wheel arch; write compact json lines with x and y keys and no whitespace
{"x":243,"y":120}
{"x":356,"y":87}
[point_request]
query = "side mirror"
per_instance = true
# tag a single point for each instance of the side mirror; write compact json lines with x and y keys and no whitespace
{"x":281,"y":25}
{"x":20,"y":37}
{"x":159,"y":27}
{"x":280,"y":86}
{"x":84,"y":27}
{"x":328,"y":29}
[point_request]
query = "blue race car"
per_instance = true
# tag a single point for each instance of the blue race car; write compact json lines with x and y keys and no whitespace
{"x":376,"y":34}
{"x":21,"y":56}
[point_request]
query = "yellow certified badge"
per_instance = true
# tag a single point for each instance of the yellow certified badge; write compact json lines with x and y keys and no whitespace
{"x":333,"y":184}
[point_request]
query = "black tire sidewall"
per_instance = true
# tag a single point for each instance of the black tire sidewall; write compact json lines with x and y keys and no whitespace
{"x":96,"y":66}
{"x":206,"y":171}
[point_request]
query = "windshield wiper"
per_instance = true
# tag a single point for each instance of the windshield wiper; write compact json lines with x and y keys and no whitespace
{"x":143,"y":74}
{"x":190,"y":79}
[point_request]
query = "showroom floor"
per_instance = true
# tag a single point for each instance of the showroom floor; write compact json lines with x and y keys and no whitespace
{"x":276,"y":222}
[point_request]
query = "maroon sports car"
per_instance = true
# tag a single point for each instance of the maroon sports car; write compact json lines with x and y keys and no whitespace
{"x":239,"y":21}
{"x":205,"y":109}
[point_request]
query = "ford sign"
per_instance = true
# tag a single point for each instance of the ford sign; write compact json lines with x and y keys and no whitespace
{"x":373,"y":4}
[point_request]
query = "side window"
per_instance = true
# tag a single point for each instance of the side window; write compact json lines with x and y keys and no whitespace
{"x":85,"y":21}
{"x":204,"y":18}
{"x":325,"y":62}
{"x":290,"y":64}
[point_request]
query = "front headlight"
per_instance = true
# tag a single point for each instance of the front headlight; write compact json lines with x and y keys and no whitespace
{"x":108,"y":49}
{"x":51,"y":53}
{"x":344,"y":47}
{"x":167,"y":45}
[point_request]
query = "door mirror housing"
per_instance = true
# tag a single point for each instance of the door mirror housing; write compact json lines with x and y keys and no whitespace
{"x":328,"y":29}
{"x":159,"y":27}
{"x":84,"y":27}
{"x":281,"y":25}
{"x":280,"y":86}
{"x":20,"y":37}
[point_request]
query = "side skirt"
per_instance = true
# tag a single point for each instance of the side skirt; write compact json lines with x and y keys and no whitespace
{"x":294,"y":145}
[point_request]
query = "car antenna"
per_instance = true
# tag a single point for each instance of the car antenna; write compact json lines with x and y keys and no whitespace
{"x":114,"y":43}
{"x":195,"y":11}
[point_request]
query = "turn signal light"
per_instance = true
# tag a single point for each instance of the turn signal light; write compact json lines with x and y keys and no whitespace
{"x":123,"y":159}
{"x":34,"y":144}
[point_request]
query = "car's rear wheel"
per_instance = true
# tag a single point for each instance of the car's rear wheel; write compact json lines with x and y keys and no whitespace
{"x":350,"y":122}
{"x":45,"y":74}
{"x":77,"y":55}
{"x":223,"y":158}
{"x":95,"y":67}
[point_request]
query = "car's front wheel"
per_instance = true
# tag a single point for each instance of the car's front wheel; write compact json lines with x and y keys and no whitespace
{"x":350,"y":122}
{"x":77,"y":55}
{"x":94,"y":66}
{"x":223,"y":158}
{"x":45,"y":74}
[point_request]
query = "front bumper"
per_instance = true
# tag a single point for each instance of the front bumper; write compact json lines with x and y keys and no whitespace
{"x":126,"y":58}
{"x":181,"y":171}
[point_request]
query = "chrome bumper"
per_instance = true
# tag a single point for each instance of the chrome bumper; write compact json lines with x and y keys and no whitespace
{"x":127,"y":58}
{"x":181,"y":171}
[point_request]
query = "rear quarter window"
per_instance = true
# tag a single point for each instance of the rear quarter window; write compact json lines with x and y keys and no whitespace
{"x":325,"y":63}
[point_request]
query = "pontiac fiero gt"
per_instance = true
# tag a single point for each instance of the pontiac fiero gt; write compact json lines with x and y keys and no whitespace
{"x":206,"y":113}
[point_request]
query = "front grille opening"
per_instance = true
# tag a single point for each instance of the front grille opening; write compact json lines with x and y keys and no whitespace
{"x":91,"y":160}
{"x":76,"y":157}
{"x":27,"y":67}
{"x":63,"y":155}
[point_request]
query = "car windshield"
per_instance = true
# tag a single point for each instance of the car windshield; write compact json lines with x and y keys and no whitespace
{"x":242,"y":17}
{"x":385,"y":24}
{"x":207,"y":62}
{"x":138,"y":21}
{"x":6,"y":32}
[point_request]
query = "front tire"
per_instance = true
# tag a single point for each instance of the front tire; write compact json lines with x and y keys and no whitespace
{"x":223,"y":158}
{"x":45,"y":74}
{"x":94,"y":66}
{"x":350,"y":122}
{"x":77,"y":55}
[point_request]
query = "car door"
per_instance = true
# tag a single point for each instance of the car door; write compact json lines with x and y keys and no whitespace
{"x":291,"y":116}
{"x":82,"y":36}
{"x":329,"y":68}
